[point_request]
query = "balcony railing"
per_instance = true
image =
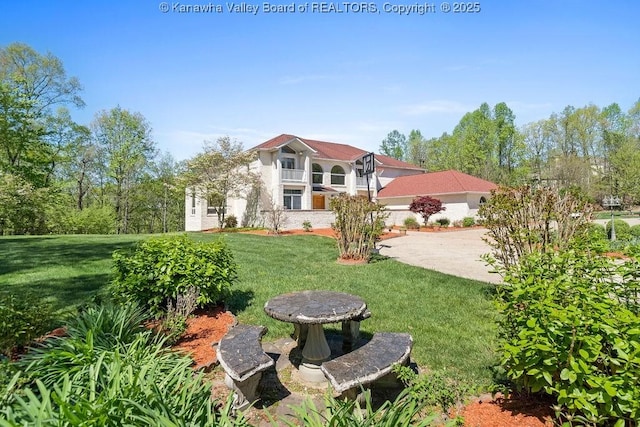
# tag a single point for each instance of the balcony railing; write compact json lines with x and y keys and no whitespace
{"x":293,"y":175}
{"x":361,"y":181}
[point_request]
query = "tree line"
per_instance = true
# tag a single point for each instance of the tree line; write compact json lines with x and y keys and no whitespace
{"x":59,"y":176}
{"x":595,"y":150}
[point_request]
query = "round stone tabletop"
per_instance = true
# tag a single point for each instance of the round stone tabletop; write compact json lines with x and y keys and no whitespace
{"x":315,"y":307}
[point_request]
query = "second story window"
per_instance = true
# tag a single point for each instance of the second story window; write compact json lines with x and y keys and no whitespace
{"x":337,"y":175}
{"x":317,"y":174}
{"x":288,"y":163}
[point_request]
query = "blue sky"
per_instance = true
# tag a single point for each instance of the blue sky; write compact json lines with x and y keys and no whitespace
{"x":343,"y":77}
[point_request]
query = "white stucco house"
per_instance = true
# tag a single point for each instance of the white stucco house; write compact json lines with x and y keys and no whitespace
{"x":461,"y":195}
{"x":303,"y":174}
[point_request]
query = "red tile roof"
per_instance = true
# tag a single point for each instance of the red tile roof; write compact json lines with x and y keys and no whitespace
{"x":445,"y":182}
{"x":334,"y":151}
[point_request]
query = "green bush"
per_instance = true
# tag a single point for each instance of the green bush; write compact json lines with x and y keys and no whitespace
{"x":570,"y":327}
{"x":108,"y":372}
{"x":623,"y":229}
{"x":159,"y":269}
{"x":411,"y":223}
{"x":596,"y":231}
{"x":444,"y":222}
{"x":468,"y":221}
{"x":635,"y":230}
{"x":22,"y":319}
{"x":437,"y":388}
{"x":90,"y":220}
{"x":230,"y":221}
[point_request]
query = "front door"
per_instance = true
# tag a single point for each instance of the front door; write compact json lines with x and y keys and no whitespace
{"x":318,"y":202}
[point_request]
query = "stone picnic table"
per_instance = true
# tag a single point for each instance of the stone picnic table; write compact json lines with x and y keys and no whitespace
{"x":308,"y":311}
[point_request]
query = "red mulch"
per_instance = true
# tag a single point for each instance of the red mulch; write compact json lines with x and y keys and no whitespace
{"x":205,"y":328}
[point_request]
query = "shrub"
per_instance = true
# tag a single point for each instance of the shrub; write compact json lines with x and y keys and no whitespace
{"x":22,"y":319}
{"x":623,"y":229}
{"x":161,"y":268}
{"x":435,"y":388}
{"x":355,"y":230}
{"x":444,"y":222}
{"x":306,"y":226}
{"x":426,"y":206}
{"x":230,"y":221}
{"x":411,"y":223}
{"x":570,"y":327}
{"x":596,"y":231}
{"x":108,"y":372}
{"x":635,"y":230}
{"x":525,"y":220}
{"x":468,"y":221}
{"x":175,"y":321}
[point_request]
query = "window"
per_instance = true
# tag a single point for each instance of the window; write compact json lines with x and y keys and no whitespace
{"x":292,"y":199}
{"x":212,"y":205}
{"x":193,"y":203}
{"x":287,"y":149}
{"x":288,"y":163}
{"x":317,"y":174}
{"x":483,"y":200}
{"x":337,"y":175}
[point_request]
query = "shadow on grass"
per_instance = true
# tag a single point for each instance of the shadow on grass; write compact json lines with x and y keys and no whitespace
{"x":66,"y":291}
{"x":19,"y":254}
{"x":240,"y":300}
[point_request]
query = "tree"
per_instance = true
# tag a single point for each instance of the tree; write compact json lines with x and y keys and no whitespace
{"x":274,"y":213}
{"x":126,"y":148}
{"x":394,"y":145}
{"x":509,"y":143}
{"x":220,"y":172}
{"x":475,"y":140}
{"x":416,"y":153}
{"x":30,"y":86}
{"x":426,"y":206}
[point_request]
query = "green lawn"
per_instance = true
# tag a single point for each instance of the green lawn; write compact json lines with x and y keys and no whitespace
{"x":450,"y":318}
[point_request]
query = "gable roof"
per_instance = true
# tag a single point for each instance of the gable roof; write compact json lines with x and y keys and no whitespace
{"x":444,"y":182}
{"x":333,"y":151}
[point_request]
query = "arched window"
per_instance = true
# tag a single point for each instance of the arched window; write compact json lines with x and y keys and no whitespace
{"x":317,"y":172}
{"x":483,"y":200}
{"x":337,"y":175}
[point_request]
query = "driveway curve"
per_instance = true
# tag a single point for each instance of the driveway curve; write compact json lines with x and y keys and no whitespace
{"x":452,"y":252}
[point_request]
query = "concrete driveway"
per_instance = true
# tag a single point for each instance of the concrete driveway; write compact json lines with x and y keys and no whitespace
{"x":452,"y":252}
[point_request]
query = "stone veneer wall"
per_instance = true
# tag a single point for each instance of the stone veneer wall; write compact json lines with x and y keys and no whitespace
{"x":317,"y":218}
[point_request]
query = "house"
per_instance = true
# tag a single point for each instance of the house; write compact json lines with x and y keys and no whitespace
{"x":302,"y":175}
{"x":460,"y":194}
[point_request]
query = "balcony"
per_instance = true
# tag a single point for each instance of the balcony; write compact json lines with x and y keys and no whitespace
{"x":293,"y":175}
{"x":361,"y":181}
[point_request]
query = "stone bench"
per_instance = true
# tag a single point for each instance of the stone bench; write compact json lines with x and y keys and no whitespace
{"x":241,"y":356}
{"x":368,"y":363}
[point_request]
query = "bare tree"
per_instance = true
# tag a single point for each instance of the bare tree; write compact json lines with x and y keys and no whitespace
{"x":275,"y":214}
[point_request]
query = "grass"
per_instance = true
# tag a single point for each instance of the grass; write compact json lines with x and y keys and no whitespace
{"x":616,"y":214}
{"x":68,"y":270}
{"x":450,"y":318}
